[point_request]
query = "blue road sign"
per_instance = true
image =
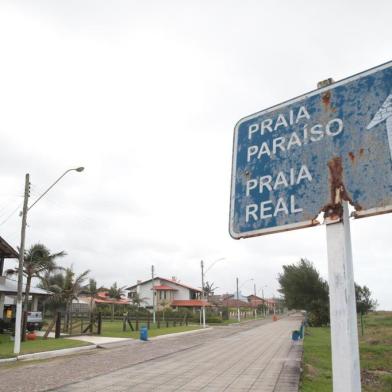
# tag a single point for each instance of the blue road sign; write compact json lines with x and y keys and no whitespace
{"x":306,"y":155}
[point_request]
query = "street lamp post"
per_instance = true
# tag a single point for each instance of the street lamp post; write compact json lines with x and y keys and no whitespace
{"x":202,"y":286}
{"x":238,"y":306}
{"x":255,"y":292}
{"x":202,"y":290}
{"x":26,"y":208}
{"x":153,"y":295}
{"x":262,"y":297}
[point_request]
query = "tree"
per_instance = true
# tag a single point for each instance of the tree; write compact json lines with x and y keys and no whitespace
{"x":92,"y":290}
{"x":116,"y":292}
{"x":209,"y":289}
{"x":137,"y":300}
{"x":65,"y":287}
{"x":36,"y":262}
{"x":364,"y":301}
{"x":164,"y":305}
{"x":54,"y":283}
{"x":303,"y":288}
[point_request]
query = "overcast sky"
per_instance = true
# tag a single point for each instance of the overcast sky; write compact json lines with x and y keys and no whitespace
{"x":145,"y":95}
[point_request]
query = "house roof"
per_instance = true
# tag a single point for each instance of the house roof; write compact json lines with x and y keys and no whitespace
{"x":10,"y":287}
{"x":103,"y":298}
{"x":271,"y":301}
{"x":6,"y":250}
{"x":236,"y":303}
{"x":164,"y":287}
{"x":166,"y":280}
{"x":252,"y":296}
{"x":111,"y":301}
{"x":194,"y":303}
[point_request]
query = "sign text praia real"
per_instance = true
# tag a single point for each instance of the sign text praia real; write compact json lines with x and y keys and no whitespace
{"x":294,"y":160}
{"x":306,"y":132}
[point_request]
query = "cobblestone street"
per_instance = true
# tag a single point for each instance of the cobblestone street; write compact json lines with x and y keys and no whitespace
{"x":255,"y":356}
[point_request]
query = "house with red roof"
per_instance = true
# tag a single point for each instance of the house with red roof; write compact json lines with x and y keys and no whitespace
{"x":161,"y":292}
{"x":84,"y":302}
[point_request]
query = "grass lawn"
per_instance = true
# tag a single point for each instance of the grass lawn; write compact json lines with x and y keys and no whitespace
{"x":36,"y":346}
{"x":375,"y":356}
{"x":115,"y":329}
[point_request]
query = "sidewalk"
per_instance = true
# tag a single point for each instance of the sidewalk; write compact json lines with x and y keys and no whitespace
{"x":98,"y":340}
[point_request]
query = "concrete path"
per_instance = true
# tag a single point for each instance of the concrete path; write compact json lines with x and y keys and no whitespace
{"x":94,"y":339}
{"x":99,"y":339}
{"x":256,"y":356}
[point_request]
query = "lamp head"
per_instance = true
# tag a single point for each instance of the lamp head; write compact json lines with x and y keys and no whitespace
{"x":79,"y":169}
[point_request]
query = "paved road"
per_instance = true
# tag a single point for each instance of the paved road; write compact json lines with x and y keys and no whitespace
{"x":257,"y":356}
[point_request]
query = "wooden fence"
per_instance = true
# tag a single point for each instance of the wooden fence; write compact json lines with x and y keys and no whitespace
{"x":134,"y":321}
{"x":75,"y":324}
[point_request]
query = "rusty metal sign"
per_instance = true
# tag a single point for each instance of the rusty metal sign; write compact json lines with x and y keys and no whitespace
{"x":306,"y":155}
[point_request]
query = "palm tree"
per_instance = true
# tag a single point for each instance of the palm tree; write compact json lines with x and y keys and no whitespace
{"x":115,"y":293}
{"x":65,"y":288}
{"x":54,"y":283}
{"x":92,"y":291}
{"x":209,"y":289}
{"x":137,"y":300}
{"x":37,"y":261}
{"x":73,"y":285}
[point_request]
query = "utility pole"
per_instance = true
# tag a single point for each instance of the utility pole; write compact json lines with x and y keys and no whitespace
{"x":18,"y":321}
{"x":203,"y":296}
{"x":264,"y":306}
{"x":255,"y":291}
{"x":153,"y":294}
{"x":26,"y":208}
{"x":238,"y":306}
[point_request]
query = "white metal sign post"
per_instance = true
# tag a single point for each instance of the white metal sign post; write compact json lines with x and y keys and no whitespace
{"x":313,"y":154}
{"x":344,"y":333}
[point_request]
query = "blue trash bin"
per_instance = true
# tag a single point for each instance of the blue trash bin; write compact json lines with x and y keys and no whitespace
{"x":144,"y":333}
{"x":295,"y":335}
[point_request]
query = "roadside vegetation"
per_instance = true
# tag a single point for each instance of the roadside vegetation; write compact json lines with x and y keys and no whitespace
{"x":303,"y":288}
{"x":375,"y":355}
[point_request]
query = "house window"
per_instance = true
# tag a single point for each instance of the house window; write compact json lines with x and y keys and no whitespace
{"x":162,"y":294}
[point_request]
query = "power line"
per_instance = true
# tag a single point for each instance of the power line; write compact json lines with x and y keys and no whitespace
{"x":11,"y":215}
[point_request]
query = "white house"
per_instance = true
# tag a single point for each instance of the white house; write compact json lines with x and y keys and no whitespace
{"x":167,"y":292}
{"x":9,"y":287}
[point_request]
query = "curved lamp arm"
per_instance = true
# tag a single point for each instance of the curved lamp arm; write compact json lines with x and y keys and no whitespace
{"x":78,"y":169}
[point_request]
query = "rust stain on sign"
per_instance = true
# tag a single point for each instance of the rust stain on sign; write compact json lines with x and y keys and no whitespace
{"x":338,"y":192}
{"x":326,"y":98}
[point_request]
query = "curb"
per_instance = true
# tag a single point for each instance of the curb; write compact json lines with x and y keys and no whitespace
{"x":123,"y":343}
{"x":180,"y":333}
{"x":5,"y":360}
{"x":49,"y":354}
{"x":55,"y":353}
